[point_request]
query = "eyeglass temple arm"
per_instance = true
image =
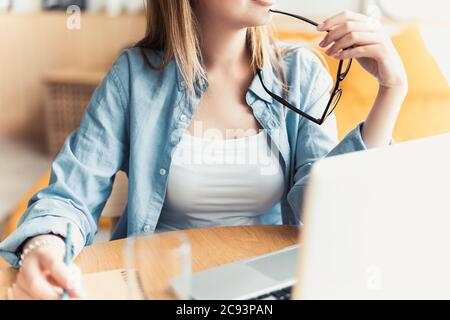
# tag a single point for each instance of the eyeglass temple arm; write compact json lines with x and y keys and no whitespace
{"x":295,"y":16}
{"x":287,"y":104}
{"x":336,"y":87}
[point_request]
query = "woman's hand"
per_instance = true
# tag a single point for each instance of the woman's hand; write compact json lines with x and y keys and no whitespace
{"x":44,"y":275}
{"x":354,"y":35}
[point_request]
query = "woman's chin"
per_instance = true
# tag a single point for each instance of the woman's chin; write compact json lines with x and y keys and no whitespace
{"x":261,"y":20}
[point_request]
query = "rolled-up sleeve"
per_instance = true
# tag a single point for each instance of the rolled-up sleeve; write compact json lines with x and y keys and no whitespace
{"x":82,"y":174}
{"x":316,"y":142}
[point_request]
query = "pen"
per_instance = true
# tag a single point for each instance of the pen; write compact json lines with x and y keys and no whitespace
{"x":68,"y":254}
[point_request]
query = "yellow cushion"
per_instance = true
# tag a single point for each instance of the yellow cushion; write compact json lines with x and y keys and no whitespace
{"x":424,"y":74}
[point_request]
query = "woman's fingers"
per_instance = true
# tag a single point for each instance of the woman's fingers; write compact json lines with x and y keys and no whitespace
{"x":349,"y":31}
{"x":19,"y":294}
{"x":339,"y":19}
{"x":55,"y":268}
{"x":33,"y":281}
{"x":62,"y":276}
{"x":75,"y":288}
{"x":346,"y":28}
{"x":371,"y":51}
{"x":44,"y":276}
{"x":353,"y":35}
{"x":354,"y":39}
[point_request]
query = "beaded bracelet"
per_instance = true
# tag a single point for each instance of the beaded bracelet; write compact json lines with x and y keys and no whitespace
{"x":31,"y":247}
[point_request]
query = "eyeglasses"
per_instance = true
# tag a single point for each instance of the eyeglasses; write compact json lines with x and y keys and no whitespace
{"x":343,"y":70}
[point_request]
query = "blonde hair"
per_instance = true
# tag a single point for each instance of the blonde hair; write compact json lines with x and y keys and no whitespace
{"x":172,"y":29}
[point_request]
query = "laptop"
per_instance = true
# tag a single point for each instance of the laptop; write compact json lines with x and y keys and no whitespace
{"x":376,"y":226}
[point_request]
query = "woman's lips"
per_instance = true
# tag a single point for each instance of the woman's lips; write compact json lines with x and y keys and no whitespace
{"x":265,"y":3}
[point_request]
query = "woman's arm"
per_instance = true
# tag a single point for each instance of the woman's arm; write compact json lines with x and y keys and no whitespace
{"x":379,"y":126}
{"x":357,"y":36}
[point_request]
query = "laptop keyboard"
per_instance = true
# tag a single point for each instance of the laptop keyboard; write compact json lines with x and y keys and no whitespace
{"x":284,"y":294}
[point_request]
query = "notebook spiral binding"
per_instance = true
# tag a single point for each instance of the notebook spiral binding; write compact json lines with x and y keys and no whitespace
{"x":137,"y":282}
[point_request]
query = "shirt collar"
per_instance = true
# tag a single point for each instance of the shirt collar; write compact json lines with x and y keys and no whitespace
{"x":257,"y":88}
{"x":182,"y":86}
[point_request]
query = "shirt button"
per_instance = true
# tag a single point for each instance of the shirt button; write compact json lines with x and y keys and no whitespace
{"x":263,"y":115}
{"x":183,"y":118}
{"x":163,"y":172}
{"x":273,"y":124}
{"x":175,"y":139}
{"x":146,"y":228}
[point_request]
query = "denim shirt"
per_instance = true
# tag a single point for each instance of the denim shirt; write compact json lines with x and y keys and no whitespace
{"x":134,"y":122}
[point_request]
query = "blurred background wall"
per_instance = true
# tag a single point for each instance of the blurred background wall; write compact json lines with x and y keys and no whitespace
{"x":35,"y":43}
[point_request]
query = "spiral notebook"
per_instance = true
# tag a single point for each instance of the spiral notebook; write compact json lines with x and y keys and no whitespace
{"x":110,"y":285}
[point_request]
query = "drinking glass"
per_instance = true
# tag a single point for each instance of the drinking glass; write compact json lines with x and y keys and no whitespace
{"x":158,"y":267}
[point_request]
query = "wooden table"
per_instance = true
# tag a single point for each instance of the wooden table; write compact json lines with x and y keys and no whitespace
{"x":210,"y":247}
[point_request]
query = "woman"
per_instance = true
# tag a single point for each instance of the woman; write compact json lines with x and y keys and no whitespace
{"x":192,"y":78}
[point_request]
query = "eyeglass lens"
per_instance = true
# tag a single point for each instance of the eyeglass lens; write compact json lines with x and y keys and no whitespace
{"x":334,"y":103}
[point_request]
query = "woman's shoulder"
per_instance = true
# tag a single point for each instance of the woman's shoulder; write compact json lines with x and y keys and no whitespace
{"x":140,"y":65}
{"x":132,"y":70}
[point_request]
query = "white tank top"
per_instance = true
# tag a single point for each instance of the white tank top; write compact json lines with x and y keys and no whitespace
{"x":216,"y":182}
